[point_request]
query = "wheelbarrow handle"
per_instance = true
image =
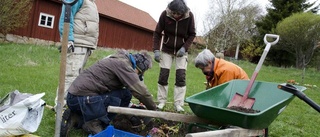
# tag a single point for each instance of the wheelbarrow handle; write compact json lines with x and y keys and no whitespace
{"x":291,"y":89}
{"x":271,"y":36}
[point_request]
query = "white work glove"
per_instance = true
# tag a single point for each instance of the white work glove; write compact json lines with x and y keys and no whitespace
{"x":70,"y":46}
{"x":181,"y":52}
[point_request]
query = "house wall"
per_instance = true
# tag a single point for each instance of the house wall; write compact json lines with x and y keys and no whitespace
{"x":113,"y":33}
{"x":33,"y":30}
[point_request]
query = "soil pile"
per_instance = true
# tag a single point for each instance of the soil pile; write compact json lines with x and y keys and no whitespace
{"x":156,"y":127}
{"x":242,"y":109}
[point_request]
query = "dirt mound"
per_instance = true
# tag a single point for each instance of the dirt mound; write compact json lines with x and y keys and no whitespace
{"x":242,"y":109}
{"x":156,"y":127}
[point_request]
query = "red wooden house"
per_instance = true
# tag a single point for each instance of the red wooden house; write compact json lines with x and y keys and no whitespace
{"x":121,"y":25}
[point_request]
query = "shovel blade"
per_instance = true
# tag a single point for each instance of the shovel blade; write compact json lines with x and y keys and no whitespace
{"x":239,"y":101}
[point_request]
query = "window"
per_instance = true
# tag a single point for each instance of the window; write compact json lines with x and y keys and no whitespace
{"x":46,"y":20}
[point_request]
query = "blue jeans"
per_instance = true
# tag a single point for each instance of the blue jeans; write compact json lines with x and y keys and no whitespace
{"x":95,"y":107}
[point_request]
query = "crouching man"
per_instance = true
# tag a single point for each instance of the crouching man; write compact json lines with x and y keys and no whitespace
{"x":111,"y":81}
{"x":218,"y":71}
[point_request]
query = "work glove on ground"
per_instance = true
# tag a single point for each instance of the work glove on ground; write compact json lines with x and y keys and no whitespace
{"x":181,"y":52}
{"x":139,"y":123}
{"x":157,"y":55}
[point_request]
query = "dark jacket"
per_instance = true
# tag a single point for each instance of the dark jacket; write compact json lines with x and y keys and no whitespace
{"x":112,"y":73}
{"x":177,"y":33}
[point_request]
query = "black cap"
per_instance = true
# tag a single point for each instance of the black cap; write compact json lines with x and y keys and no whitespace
{"x":142,"y":62}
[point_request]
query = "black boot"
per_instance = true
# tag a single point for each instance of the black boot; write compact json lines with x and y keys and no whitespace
{"x":68,"y":122}
{"x":93,"y":126}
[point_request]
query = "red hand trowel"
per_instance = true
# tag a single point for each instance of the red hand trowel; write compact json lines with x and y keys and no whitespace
{"x":244,"y":101}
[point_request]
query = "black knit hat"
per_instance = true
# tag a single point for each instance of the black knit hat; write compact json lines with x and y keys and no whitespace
{"x":142,"y":62}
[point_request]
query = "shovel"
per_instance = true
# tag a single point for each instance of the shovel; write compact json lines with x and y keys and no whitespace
{"x":244,"y":101}
{"x":293,"y":90}
{"x":65,"y":33}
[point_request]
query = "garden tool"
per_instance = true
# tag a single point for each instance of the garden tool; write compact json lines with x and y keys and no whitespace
{"x":244,"y":101}
{"x":63,"y":61}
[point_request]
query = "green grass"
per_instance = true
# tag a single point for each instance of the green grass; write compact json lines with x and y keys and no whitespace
{"x":35,"y":69}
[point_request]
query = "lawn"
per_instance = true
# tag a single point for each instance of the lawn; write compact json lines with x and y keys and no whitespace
{"x":35,"y":69}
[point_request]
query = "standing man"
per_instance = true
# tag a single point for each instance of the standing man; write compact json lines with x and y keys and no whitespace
{"x":218,"y":71}
{"x":176,"y":23}
{"x":83,"y":38}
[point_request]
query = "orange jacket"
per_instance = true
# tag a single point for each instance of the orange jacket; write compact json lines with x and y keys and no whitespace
{"x":225,"y":71}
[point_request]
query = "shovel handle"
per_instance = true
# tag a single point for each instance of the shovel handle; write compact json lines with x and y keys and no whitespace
{"x":271,"y":36}
{"x":293,"y":90}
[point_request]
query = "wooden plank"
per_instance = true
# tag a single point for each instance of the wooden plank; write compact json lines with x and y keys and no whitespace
{"x":160,"y":114}
{"x":168,"y":102}
{"x":229,"y":132}
{"x":25,"y":135}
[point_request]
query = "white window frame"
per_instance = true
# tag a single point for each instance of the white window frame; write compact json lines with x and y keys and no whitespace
{"x":47,"y":16}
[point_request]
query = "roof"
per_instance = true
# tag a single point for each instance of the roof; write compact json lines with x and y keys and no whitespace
{"x":126,"y":13}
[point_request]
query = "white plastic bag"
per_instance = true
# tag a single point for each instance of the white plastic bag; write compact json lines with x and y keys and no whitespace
{"x":20,"y":113}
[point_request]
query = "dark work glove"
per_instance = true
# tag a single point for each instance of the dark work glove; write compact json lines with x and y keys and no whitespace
{"x":157,"y":55}
{"x":139,"y":122}
{"x":136,"y":122}
{"x":59,"y":48}
{"x":138,"y":106}
{"x":181,"y":52}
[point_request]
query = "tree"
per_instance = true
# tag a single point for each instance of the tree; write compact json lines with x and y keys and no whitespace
{"x":251,"y":51}
{"x":243,"y":24}
{"x":281,"y":9}
{"x":315,"y":62}
{"x":231,"y":23}
{"x":300,"y":36}
{"x":14,"y":14}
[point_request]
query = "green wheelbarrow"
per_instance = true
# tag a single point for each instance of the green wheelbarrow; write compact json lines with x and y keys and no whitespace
{"x":212,"y":104}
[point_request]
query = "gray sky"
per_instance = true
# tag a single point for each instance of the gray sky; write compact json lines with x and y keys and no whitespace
{"x":155,"y":7}
{"x":198,"y":7}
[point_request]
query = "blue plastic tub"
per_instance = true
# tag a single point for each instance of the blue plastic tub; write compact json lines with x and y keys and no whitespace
{"x":112,"y":132}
